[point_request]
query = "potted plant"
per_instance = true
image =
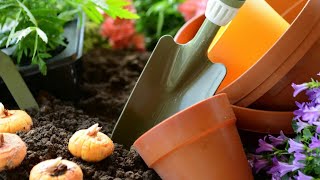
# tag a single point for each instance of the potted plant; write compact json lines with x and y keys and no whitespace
{"x":295,"y":156}
{"x":43,"y":36}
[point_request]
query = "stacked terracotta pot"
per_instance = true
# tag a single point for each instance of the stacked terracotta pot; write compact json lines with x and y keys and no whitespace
{"x":279,"y":53}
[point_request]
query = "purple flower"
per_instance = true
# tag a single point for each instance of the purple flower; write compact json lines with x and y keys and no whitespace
{"x":276,"y":176}
{"x":298,"y":158}
{"x":309,"y":111}
{"x":274,"y":168}
{"x":298,"y":88}
{"x":311,"y":114}
{"x":282,"y":168}
{"x":318,"y":126}
{"x":301,"y":125}
{"x":315,"y":142}
{"x":299,"y":112}
{"x":302,"y":176}
{"x":311,"y":104}
{"x":295,"y":146}
{"x":314,"y":95}
{"x":260,"y":164}
{"x":264,"y":146}
{"x":275,"y":141}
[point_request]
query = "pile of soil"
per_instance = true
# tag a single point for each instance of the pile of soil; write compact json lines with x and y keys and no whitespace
{"x":108,"y":78}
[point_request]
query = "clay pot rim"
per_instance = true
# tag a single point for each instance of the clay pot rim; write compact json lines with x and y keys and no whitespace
{"x":187,"y":24}
{"x":262,"y":121}
{"x":280,"y":52}
{"x":227,"y":119}
{"x":295,"y":35}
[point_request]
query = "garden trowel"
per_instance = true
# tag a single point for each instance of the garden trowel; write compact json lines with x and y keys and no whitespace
{"x":175,"y":77}
{"x":15,"y":84}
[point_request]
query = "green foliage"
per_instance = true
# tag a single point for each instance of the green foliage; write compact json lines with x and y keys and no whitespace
{"x":158,"y":18}
{"x":35,"y":27}
{"x":92,"y":37}
{"x":313,"y":83}
{"x":307,"y":135}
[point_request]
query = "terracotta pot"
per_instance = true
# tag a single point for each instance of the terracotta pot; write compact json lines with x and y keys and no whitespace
{"x":266,"y":85}
{"x":267,"y":122}
{"x":200,"y":142}
{"x":280,"y":58}
{"x":288,"y":9}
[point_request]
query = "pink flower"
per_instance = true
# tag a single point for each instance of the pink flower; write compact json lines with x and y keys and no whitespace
{"x":121,"y":33}
{"x":191,"y":8}
{"x":139,"y":42}
{"x":117,"y":29}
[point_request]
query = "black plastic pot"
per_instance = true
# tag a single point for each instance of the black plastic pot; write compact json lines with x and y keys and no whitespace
{"x":63,"y":73}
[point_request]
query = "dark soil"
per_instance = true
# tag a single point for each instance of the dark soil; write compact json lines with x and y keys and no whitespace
{"x":108,"y":78}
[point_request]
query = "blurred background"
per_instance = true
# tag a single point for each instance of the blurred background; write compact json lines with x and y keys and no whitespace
{"x":157,"y":18}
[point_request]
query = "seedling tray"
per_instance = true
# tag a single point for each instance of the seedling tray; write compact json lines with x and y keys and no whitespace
{"x":63,"y":77}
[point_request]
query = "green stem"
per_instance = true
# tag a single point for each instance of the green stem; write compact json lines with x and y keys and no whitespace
{"x":160,"y":23}
{"x":314,"y":84}
{"x":35,"y":47}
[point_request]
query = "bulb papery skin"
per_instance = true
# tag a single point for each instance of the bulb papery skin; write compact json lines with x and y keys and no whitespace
{"x":45,"y":170}
{"x":15,"y":121}
{"x":12,"y":151}
{"x":91,"y":147}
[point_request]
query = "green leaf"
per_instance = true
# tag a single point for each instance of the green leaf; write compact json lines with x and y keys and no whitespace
{"x":294,"y":126}
{"x":6,"y":6}
{"x":42,"y":35}
{"x":13,"y":29}
{"x":316,"y":168}
{"x":44,"y":55}
{"x":19,"y":35}
{"x":68,"y":15}
{"x":121,"y":13}
{"x":42,"y":66}
{"x":298,"y":138}
{"x":307,"y":134}
{"x":93,"y":15}
{"x":45,"y":20}
{"x":3,"y":39}
{"x":101,"y":4}
{"x":31,"y":17}
{"x":43,"y":12}
{"x":19,"y":56}
{"x":116,"y":8}
{"x":118,"y":3}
